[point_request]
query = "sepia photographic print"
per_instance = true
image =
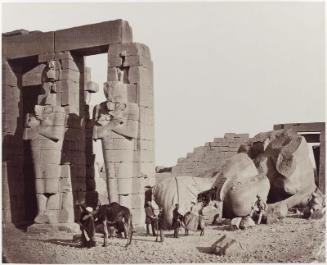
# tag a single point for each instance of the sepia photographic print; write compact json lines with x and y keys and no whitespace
{"x":163,"y":132}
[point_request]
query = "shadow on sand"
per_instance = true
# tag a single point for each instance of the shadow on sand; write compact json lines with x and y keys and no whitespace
{"x":63,"y":242}
{"x":206,"y":250}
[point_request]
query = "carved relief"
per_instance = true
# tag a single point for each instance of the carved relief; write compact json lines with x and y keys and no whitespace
{"x":45,"y":128}
{"x":116,"y":124}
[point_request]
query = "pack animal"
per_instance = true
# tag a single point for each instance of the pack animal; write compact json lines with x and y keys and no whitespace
{"x":119,"y":217}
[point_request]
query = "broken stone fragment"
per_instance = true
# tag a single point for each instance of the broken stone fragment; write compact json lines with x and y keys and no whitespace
{"x":235,"y":223}
{"x":226,"y":246}
{"x":246,"y":222}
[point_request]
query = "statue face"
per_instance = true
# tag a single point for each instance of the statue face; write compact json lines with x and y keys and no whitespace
{"x":115,"y":91}
{"x":38,"y":112}
{"x":52,"y":65}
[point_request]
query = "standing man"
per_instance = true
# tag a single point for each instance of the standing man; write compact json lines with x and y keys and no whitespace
{"x":150,"y":218}
{"x":259,"y":207}
{"x":177,"y":220}
{"x":160,"y":225}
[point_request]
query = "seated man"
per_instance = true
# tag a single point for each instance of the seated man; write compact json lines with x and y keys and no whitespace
{"x":87,"y":226}
{"x":259,"y":207}
{"x":177,"y":220}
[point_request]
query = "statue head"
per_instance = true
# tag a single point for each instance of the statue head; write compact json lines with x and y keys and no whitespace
{"x":38,"y":110}
{"x":52,"y":64}
{"x":115,"y":91}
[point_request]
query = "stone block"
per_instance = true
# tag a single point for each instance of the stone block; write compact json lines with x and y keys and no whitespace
{"x":133,"y":112}
{"x":138,"y":61}
{"x":48,"y":186}
{"x":34,"y":43}
{"x":129,"y":49}
{"x":119,"y":170}
{"x":137,"y":200}
{"x":147,"y":169}
{"x":9,"y":125}
{"x":69,"y":64}
{"x":117,"y":144}
{"x":66,"y":213}
{"x":124,"y":185}
{"x":46,"y":57}
{"x":70,"y":75}
{"x":8,"y":75}
{"x":132,"y":93}
{"x":218,"y":144}
{"x":66,"y":85}
{"x":11,"y":95}
{"x":244,"y":136}
{"x":146,"y":145}
{"x":181,"y":160}
{"x":65,"y":185}
{"x":50,"y":158}
{"x":115,"y":61}
{"x":50,"y":171}
{"x":145,"y":97}
{"x":34,"y":76}
{"x":226,"y":246}
{"x":112,"y":74}
{"x":146,"y":155}
{"x":219,"y":140}
{"x":138,"y":185}
{"x":138,"y":216}
{"x":229,"y":135}
{"x":71,"y":98}
{"x":53,"y":202}
{"x":146,"y":132}
{"x":146,"y":115}
{"x":140,"y":75}
{"x":220,"y":148}
{"x":93,"y":36}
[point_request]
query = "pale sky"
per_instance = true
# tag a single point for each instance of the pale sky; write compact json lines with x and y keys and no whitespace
{"x":218,"y":67}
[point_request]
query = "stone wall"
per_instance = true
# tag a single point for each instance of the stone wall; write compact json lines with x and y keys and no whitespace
{"x":26,"y":56}
{"x":204,"y":160}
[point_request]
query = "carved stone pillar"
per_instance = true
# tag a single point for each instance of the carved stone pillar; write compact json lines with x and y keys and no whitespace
{"x":116,"y":124}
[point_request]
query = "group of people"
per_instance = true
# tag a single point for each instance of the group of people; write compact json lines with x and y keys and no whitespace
{"x":157,"y":221}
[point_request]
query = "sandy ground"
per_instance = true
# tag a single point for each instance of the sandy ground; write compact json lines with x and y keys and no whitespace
{"x":292,"y":240}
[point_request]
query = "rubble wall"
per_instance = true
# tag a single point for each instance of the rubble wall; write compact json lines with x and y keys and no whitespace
{"x":210,"y":157}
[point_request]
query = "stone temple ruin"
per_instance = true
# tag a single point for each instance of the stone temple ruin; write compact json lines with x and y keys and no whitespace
{"x":206,"y":160}
{"x":48,"y":161}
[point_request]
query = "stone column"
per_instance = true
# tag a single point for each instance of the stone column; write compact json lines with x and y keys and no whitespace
{"x":90,"y":87}
{"x":116,"y":124}
{"x":13,"y":184}
{"x":135,"y":61}
{"x":55,"y":131}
